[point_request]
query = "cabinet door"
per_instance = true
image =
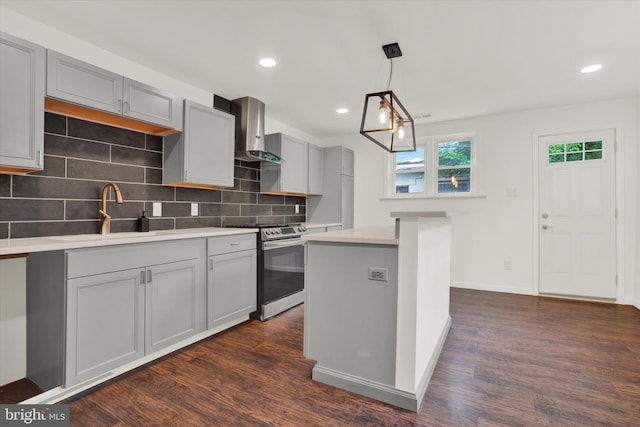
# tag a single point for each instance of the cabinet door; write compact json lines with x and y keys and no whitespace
{"x":81,"y":83}
{"x":105,"y":323}
{"x":316,"y":162}
{"x":208,"y":145}
{"x":232,"y":285}
{"x":173,"y":292}
{"x":346,"y":207}
{"x":144,"y":102}
{"x":22,"y":83}
{"x":294,"y":168}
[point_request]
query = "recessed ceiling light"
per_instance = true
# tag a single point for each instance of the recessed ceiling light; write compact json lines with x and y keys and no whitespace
{"x":342,"y":110}
{"x":267,"y":62}
{"x":591,"y":68}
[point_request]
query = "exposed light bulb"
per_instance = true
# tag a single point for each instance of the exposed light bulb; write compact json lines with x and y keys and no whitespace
{"x":591,"y":68}
{"x":400,"y":128}
{"x":382,"y":112}
{"x":267,"y":62}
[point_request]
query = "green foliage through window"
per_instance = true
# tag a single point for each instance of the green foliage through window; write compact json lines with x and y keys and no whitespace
{"x":575,"y":151}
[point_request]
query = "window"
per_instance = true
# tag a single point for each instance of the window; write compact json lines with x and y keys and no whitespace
{"x":575,"y":151}
{"x":410,"y":171}
{"x":454,"y":167}
{"x":440,"y":166}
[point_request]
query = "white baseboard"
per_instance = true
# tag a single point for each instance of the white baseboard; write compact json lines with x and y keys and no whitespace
{"x":383,"y":392}
{"x":60,"y":393}
{"x":493,"y":288}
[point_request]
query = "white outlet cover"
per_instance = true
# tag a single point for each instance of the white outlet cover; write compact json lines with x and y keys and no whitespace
{"x":157,"y":209}
{"x":194,"y":209}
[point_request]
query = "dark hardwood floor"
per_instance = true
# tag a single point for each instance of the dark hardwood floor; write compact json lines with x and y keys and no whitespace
{"x":509,"y":360}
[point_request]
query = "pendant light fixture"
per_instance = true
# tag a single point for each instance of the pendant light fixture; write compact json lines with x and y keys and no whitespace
{"x":385,"y":121}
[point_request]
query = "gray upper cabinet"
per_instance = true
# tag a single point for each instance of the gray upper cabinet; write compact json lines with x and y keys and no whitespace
{"x":291,"y":176}
{"x":75,"y":81}
{"x":336,"y":203}
{"x":22,"y":88}
{"x":202,"y":155}
{"x":316,"y":162}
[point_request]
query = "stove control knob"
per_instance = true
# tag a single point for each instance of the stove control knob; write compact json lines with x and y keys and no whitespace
{"x":303,"y":228}
{"x":278,"y":231}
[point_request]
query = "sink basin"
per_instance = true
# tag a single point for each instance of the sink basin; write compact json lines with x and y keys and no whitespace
{"x":112,"y":236}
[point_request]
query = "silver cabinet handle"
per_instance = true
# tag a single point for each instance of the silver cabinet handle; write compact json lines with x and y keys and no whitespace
{"x":39,"y":158}
{"x":126,"y":107}
{"x":149,"y":276}
{"x":544,"y":227}
{"x":142,"y":278}
{"x":211,"y":264}
{"x":119,"y":106}
{"x":234,"y":244}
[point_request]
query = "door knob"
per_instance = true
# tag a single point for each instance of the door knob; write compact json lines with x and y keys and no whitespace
{"x":545,"y":215}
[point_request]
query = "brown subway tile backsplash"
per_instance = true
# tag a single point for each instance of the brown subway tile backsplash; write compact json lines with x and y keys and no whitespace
{"x":80,"y":157}
{"x":78,"y":148}
{"x":104,"y":171}
{"x":104,"y":133}
{"x":5,"y":185}
{"x":55,"y":123}
{"x":28,"y":210}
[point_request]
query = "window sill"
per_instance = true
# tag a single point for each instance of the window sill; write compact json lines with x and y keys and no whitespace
{"x":440,"y":197}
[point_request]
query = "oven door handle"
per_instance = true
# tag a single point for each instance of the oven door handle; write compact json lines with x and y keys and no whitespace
{"x":281,"y":244}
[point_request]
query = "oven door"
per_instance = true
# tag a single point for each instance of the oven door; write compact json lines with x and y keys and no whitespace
{"x":283,"y":269}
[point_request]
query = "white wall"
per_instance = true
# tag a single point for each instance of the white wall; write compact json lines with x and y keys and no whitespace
{"x":500,"y":228}
{"x":636,"y":301}
{"x":51,"y":38}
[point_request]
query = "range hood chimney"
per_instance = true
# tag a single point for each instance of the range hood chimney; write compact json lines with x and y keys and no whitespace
{"x":250,"y":146}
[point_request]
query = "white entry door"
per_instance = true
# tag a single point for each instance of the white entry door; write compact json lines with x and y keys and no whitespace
{"x":577,"y":214}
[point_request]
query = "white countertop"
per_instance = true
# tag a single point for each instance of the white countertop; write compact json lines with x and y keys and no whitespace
{"x":321,"y":224}
{"x":426,"y":214}
{"x":54,"y":243}
{"x":381,"y":235}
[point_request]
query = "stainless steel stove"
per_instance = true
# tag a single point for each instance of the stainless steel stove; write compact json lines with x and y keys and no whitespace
{"x":280,"y":268}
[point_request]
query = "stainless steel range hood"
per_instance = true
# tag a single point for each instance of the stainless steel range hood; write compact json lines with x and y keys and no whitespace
{"x":250,"y":147}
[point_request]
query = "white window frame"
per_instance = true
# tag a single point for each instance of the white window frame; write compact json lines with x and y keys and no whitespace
{"x":430,"y":145}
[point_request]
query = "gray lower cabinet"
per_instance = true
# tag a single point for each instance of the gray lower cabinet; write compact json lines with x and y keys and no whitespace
{"x":232,"y":278}
{"x":105,"y":323}
{"x":84,"y":84}
{"x":22,"y":87}
{"x":118,"y":303}
{"x":203,"y":154}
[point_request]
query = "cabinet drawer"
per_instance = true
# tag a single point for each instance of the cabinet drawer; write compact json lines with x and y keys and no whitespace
{"x":85,"y":262}
{"x":233,"y":243}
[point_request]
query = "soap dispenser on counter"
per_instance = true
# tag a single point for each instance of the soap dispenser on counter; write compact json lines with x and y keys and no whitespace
{"x":143,"y":222}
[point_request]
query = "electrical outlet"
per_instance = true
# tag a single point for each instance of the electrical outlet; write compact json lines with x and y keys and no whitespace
{"x":194,"y":209}
{"x":380,"y":274}
{"x":508,"y":265}
{"x":157,"y":209}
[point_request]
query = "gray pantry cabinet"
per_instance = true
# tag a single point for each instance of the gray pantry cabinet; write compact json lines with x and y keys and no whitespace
{"x":22,"y":88}
{"x":99,"y":308}
{"x":75,"y":81}
{"x":232,"y":278}
{"x":316,"y":162}
{"x":202,"y":155}
{"x":291,"y":176}
{"x":336,"y":203}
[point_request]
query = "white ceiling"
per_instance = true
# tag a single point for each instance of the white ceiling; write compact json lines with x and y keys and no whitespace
{"x":460,"y":58}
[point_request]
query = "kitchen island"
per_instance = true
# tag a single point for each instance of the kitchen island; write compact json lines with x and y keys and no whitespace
{"x":377,"y":306}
